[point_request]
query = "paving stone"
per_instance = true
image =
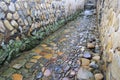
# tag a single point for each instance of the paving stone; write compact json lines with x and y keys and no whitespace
{"x":66,"y":78}
{"x":93,"y":65}
{"x":56,"y":58}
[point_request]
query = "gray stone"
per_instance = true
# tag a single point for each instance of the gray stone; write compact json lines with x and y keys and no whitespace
{"x":2,"y":15}
{"x":26,"y":5}
{"x":87,"y":54}
{"x":3,"y":6}
{"x":17,"y":6}
{"x":26,"y":22}
{"x":12,"y":7}
{"x":93,"y":65}
{"x":20,"y":21}
{"x":58,"y":69}
{"x":14,"y":23}
{"x":39,"y":75}
{"x":20,"y":64}
{"x":8,"y":25}
{"x":84,"y":74}
{"x":65,"y":78}
{"x":29,"y":20}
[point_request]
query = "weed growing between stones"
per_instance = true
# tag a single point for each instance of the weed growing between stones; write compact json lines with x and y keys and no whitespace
{"x":14,"y":47}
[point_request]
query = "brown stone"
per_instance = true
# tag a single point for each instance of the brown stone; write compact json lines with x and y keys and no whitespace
{"x":98,"y":76}
{"x":8,"y":25}
{"x":48,"y":56}
{"x":96,"y":58}
{"x":90,"y":45}
{"x":85,"y":62}
{"x":17,"y":77}
{"x":2,"y":28}
{"x":36,"y":57}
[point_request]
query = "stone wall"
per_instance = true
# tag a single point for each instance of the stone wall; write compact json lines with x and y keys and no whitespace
{"x":25,"y":22}
{"x":19,"y":18}
{"x":109,"y":12}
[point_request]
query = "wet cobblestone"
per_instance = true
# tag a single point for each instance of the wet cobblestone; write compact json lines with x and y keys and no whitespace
{"x":67,"y":54}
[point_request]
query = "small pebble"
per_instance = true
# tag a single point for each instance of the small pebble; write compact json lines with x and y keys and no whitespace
{"x":72,"y":73}
{"x":39,"y":75}
{"x":47,"y":73}
{"x":87,"y":54}
{"x":93,"y":65}
{"x":96,"y":58}
{"x":98,"y":76}
{"x":85,"y":62}
{"x":90,"y":46}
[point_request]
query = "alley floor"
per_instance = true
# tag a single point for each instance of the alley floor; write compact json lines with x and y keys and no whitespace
{"x":71,"y":53}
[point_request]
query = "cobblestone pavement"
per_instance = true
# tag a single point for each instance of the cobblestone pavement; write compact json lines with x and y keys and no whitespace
{"x":71,"y":53}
